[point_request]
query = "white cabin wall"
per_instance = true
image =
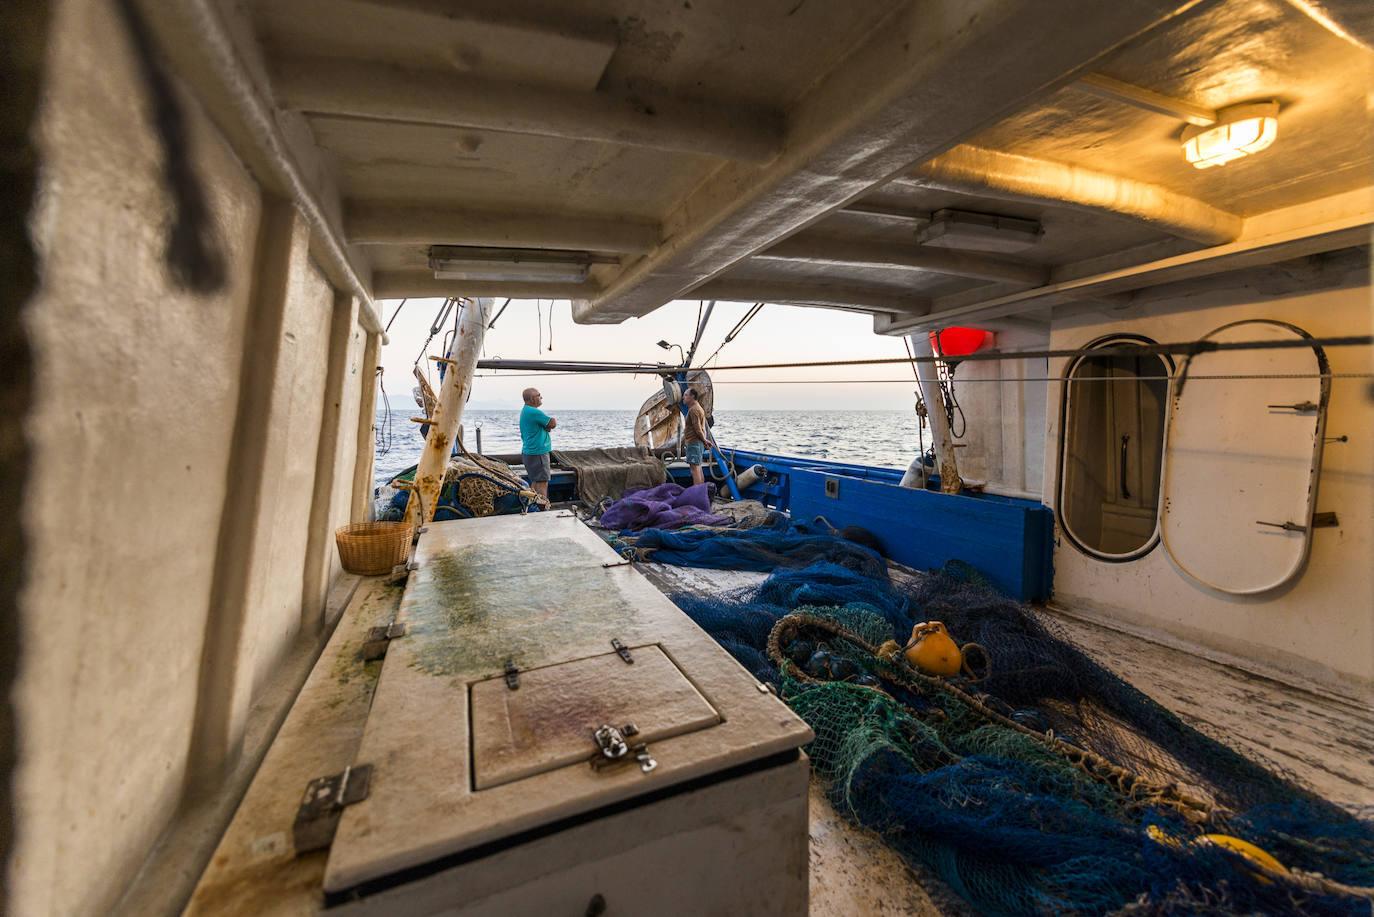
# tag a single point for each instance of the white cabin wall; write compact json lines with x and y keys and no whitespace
{"x":135,"y":401}
{"x":295,"y":409}
{"x":179,"y":434}
{"x":1319,"y":631}
{"x":1004,"y":441}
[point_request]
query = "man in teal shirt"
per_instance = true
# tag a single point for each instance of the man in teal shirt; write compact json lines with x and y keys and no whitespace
{"x":535,"y":444}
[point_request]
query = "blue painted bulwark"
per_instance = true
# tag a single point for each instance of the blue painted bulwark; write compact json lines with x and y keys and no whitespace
{"x":1007,"y":540}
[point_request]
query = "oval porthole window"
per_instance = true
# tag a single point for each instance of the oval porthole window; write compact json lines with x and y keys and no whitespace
{"x":1112,"y":448}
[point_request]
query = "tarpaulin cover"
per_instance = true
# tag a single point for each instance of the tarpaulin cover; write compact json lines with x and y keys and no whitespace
{"x":663,"y":507}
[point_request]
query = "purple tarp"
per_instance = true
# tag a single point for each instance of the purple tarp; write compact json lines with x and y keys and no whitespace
{"x":666,"y":506}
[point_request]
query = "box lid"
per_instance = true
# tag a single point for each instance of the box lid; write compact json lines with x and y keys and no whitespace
{"x":551,"y":718}
{"x":544,"y":595}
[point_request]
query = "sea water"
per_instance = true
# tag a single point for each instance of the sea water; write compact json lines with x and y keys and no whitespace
{"x":886,"y":439}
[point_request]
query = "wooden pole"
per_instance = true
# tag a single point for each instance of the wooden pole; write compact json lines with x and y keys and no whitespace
{"x":453,"y":394}
{"x":929,"y":381}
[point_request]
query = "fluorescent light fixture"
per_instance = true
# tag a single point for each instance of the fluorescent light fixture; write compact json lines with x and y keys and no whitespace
{"x":979,"y":232}
{"x":461,"y":262}
{"x":1240,"y":130}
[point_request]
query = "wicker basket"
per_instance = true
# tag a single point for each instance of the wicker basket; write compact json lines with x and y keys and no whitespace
{"x":373,"y":548}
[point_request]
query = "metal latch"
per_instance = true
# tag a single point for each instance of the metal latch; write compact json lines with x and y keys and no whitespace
{"x":611,"y":741}
{"x":1319,"y":521}
{"x":1302,"y":407}
{"x":322,"y":806}
{"x":379,"y":638}
{"x":512,"y":675}
{"x":615,"y":750}
{"x":622,"y":649}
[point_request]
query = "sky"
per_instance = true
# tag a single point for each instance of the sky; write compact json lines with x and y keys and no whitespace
{"x":534,"y":329}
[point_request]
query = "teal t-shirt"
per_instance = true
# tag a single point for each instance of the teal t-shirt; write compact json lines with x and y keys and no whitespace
{"x":534,"y":439}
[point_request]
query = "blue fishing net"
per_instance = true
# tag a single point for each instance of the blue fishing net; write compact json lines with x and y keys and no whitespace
{"x":1002,"y":786}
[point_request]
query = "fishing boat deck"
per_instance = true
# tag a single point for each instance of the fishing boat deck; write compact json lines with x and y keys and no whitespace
{"x":1323,"y":743}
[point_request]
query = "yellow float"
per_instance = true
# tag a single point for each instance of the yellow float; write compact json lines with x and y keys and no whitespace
{"x":931,"y":649}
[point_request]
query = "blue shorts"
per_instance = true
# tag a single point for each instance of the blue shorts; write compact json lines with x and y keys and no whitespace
{"x":694,"y":453}
{"x":536,"y":467}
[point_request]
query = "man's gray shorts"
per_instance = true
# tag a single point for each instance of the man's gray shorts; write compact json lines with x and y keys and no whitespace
{"x":536,"y":466}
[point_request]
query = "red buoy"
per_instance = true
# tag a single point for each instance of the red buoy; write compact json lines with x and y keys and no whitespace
{"x":957,"y":342}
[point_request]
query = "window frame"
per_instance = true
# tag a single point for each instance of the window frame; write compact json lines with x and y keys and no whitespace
{"x":1153,"y":541}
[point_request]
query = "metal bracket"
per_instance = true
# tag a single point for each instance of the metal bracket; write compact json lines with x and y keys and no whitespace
{"x":379,"y":638}
{"x":1302,"y":407}
{"x":512,"y":675}
{"x":622,"y":649}
{"x":323,"y":803}
{"x":1319,"y":521}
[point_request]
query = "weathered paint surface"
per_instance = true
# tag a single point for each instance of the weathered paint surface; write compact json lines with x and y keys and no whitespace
{"x":1321,"y":628}
{"x":459,"y":628}
{"x":130,"y":435}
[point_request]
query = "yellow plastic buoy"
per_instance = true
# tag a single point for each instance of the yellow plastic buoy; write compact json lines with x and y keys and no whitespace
{"x":1233,"y":844}
{"x":1245,"y":849}
{"x":932,"y":650}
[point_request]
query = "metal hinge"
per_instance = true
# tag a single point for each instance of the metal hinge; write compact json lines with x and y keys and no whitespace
{"x":512,"y":675}
{"x":622,"y":649}
{"x":379,"y":638}
{"x":322,"y":806}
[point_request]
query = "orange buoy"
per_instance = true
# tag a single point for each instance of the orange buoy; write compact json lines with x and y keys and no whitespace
{"x":931,"y":649}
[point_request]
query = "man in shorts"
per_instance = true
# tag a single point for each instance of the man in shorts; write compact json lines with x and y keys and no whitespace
{"x":694,"y":434}
{"x":535,"y":444}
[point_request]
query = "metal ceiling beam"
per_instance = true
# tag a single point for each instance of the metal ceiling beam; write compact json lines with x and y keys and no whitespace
{"x":990,"y":173}
{"x":387,"y":93}
{"x":417,"y":284}
{"x":383,"y":224}
{"x":821,"y":249}
{"x":853,"y":297}
{"x":1107,"y":88}
{"x":1329,"y":224}
{"x":919,"y":84}
{"x":1352,"y":20}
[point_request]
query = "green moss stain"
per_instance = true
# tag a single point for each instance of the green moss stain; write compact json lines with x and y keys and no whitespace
{"x":471,"y":610}
{"x":354,"y":679}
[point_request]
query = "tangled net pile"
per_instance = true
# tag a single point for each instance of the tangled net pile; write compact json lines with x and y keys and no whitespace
{"x":1048,"y":786}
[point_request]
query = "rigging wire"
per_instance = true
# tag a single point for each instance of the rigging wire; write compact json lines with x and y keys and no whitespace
{"x":382,"y":432}
{"x":1191,"y":378}
{"x":1133,"y":350}
{"x":944,"y":370}
{"x":387,"y":330}
{"x":739,"y":326}
{"x":500,"y":312}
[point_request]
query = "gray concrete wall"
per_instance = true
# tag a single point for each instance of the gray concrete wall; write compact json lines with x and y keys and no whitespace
{"x":144,"y":399}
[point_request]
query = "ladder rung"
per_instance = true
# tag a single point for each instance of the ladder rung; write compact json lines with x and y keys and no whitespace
{"x":428,"y":420}
{"x":444,"y":360}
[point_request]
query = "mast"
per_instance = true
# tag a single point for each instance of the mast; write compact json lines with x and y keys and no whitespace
{"x":928,"y":378}
{"x":453,"y":395}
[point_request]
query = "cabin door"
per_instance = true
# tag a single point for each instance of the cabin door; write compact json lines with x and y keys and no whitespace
{"x":1242,"y":453}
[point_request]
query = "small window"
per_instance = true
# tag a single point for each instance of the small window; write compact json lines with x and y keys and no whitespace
{"x":1112,"y":447}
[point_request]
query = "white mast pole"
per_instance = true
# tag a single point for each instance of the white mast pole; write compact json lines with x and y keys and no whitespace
{"x":453,"y":394}
{"x":929,"y":380}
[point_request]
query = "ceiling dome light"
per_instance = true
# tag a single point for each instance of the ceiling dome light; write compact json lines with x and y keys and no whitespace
{"x":1240,"y":130}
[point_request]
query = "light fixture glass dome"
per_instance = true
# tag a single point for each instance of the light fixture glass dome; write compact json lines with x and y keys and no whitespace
{"x":1240,"y":130}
